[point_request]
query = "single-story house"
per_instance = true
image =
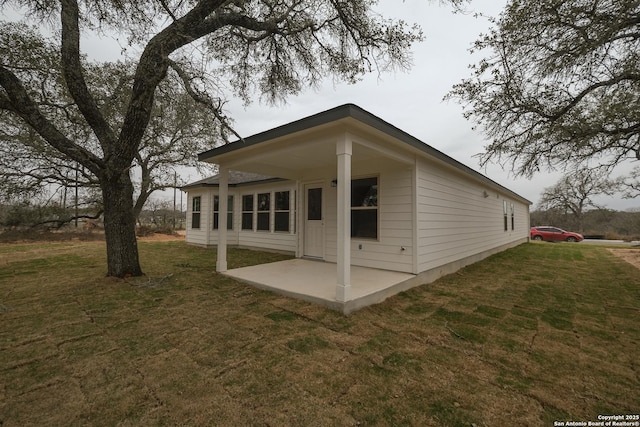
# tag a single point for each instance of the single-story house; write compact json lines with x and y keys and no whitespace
{"x":349,"y":189}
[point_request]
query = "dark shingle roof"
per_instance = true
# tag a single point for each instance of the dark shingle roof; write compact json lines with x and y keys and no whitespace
{"x":236,"y":178}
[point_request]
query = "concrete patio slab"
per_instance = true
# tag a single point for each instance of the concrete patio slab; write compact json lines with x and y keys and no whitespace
{"x":315,"y":281}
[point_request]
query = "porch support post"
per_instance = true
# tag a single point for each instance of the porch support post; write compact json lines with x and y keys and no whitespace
{"x":343,"y":287}
{"x":223,"y":191}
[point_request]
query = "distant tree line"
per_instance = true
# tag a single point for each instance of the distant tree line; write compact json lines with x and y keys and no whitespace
{"x":38,"y":215}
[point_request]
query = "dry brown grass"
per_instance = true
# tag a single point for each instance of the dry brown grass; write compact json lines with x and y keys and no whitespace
{"x":539,"y":333}
{"x":631,"y":255}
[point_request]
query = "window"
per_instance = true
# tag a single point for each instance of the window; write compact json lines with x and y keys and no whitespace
{"x":216,"y":208}
{"x":265,"y":213}
{"x":264,"y":208}
{"x":281,"y":213}
{"x":364,"y":208}
{"x":504,"y":211}
{"x":247,"y":212}
{"x":513,"y":222}
{"x":195,"y":212}
{"x":314,"y":204}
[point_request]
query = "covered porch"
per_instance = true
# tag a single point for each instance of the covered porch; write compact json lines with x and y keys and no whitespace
{"x":315,"y":281}
{"x":322,"y":154}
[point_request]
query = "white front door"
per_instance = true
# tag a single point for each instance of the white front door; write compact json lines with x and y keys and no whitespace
{"x":313,"y":223}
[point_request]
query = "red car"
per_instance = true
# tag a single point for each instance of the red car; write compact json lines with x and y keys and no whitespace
{"x":554,"y":234}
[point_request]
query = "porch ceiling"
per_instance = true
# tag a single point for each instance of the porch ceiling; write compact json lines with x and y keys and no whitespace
{"x":306,"y":159}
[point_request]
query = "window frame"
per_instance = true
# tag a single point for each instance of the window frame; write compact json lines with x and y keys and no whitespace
{"x":216,"y":213}
{"x":513,"y":221}
{"x":268,"y":209}
{"x":245,"y":212}
{"x":263,"y":210}
{"x":277,"y":211}
{"x":504,"y":212}
{"x":356,"y":210}
{"x":196,"y":201}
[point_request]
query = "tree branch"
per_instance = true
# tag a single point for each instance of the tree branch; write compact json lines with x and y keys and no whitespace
{"x":60,"y":222}
{"x":18,"y":101}
{"x":204,"y":99}
{"x":74,"y":77}
{"x":586,"y":91}
{"x":152,"y":68}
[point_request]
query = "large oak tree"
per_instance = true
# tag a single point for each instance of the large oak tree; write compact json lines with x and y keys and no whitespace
{"x":273,"y":47}
{"x":179,"y":128}
{"x":559,"y":86}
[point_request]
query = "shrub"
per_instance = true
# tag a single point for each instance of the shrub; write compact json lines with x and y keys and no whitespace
{"x":147,"y":230}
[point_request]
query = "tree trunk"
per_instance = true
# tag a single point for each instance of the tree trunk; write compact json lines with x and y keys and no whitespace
{"x":120,"y":227}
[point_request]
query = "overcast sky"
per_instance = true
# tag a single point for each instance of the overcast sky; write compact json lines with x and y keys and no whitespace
{"x":411,"y":100}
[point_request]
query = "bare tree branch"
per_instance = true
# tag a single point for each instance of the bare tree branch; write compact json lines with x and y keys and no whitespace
{"x":22,"y":104}
{"x":204,"y":99}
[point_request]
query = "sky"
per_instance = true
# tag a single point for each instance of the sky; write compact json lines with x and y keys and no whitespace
{"x":411,"y":100}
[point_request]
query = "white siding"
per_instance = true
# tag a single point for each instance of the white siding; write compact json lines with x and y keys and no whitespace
{"x":199,"y":236}
{"x":268,"y":240}
{"x":458,"y":217}
{"x":395,"y":225}
{"x":428,"y":218}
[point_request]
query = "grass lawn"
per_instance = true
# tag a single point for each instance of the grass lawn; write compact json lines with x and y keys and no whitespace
{"x":539,"y":333}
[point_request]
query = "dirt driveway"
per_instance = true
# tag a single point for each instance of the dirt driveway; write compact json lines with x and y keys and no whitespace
{"x":632,"y":256}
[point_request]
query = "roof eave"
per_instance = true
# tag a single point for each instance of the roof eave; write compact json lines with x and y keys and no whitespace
{"x":363,"y":116}
{"x":324,"y":117}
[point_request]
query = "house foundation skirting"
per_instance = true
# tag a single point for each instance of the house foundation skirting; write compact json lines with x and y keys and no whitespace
{"x":423,"y":278}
